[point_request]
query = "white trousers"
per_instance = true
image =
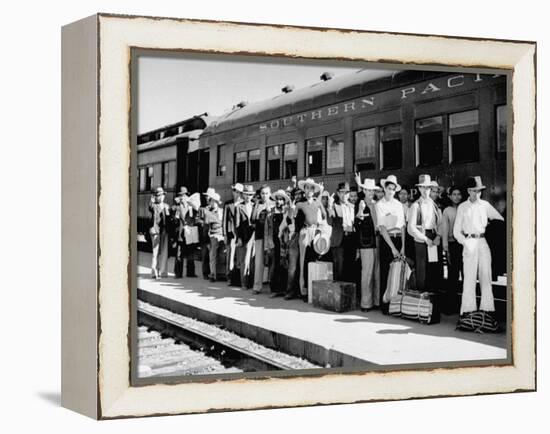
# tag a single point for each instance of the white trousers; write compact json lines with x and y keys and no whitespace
{"x":477,"y":265}
{"x":370,"y":278}
{"x":159,"y":260}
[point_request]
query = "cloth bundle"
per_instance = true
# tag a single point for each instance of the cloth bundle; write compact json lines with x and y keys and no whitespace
{"x":415,"y":305}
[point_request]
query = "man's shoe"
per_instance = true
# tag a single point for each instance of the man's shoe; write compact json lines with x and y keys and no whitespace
{"x":275,"y":295}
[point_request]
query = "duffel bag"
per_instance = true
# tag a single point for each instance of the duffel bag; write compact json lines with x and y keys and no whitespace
{"x":478,"y":321}
{"x":416,"y":305}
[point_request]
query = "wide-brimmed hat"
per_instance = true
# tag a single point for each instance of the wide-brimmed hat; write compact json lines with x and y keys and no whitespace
{"x":238,"y":187}
{"x":368,"y":184}
{"x":249,"y":190}
{"x":209,"y":192}
{"x":321,"y":244}
{"x":280,"y":193}
{"x":390,"y":179}
{"x":304,"y":182}
{"x":183,"y":191}
{"x":475,"y":182}
{"x":424,"y":181}
{"x":159,"y":191}
{"x":215,"y":196}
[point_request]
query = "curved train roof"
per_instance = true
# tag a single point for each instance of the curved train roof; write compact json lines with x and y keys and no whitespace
{"x":337,"y":89}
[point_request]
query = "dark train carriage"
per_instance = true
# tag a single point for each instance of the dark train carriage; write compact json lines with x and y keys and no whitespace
{"x":450,"y":125}
{"x":170,"y":157}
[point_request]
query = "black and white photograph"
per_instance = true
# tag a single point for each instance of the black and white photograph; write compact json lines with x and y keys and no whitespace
{"x":307,"y":215}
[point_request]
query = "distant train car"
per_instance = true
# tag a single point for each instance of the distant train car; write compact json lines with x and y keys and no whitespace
{"x":450,"y":125}
{"x":170,"y":157}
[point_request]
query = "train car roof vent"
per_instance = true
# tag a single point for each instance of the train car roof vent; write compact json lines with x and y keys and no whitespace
{"x":287,"y":88}
{"x":242,"y":104}
{"x":325,"y":76}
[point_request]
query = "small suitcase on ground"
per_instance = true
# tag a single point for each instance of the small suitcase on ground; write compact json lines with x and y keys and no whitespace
{"x":317,"y":270}
{"x":416,"y":305}
{"x":334,"y":296}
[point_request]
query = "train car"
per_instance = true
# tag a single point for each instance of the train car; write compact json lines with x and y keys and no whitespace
{"x":170,"y":157}
{"x":450,"y":125}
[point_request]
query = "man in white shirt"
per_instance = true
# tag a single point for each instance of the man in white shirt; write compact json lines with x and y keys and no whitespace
{"x":471,"y":220}
{"x":391,"y":223}
{"x":424,"y":219}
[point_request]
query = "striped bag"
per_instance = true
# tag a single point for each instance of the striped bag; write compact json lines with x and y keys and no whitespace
{"x":415,"y":305}
{"x":478,"y":322}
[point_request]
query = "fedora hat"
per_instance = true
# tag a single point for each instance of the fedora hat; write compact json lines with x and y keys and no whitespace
{"x":321,"y":244}
{"x":183,"y":191}
{"x":424,"y":181}
{"x":280,"y":193}
{"x":475,"y":182}
{"x":309,"y":182}
{"x":368,"y":184}
{"x":159,"y":191}
{"x":238,"y":187}
{"x":392,"y":180}
{"x":249,"y":190}
{"x":214,"y":196}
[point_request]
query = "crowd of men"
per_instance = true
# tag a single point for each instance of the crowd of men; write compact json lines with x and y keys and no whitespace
{"x":361,"y":230}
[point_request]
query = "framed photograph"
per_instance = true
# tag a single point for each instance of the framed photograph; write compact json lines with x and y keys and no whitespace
{"x":261,"y":216}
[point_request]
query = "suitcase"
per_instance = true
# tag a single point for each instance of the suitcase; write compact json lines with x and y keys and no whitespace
{"x":416,"y":305}
{"x":317,"y":270}
{"x":398,"y":278}
{"x":334,"y":296}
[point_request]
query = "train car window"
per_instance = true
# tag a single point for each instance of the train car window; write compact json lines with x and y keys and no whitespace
{"x":314,"y":156}
{"x":365,"y":150}
{"x":220,"y":158}
{"x":290,"y":157}
{"x":240,"y":166}
{"x":273,"y":164}
{"x":142,"y":179}
{"x":391,"y":144}
{"x":464,"y":137}
{"x":149,"y":179}
{"x":254,"y":165}
{"x":335,"y":154}
{"x":502,"y":128}
{"x":169,"y":180}
{"x":429,"y":141}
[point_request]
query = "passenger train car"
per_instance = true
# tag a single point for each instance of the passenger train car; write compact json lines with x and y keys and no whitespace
{"x":449,"y":125}
{"x":170,"y":157}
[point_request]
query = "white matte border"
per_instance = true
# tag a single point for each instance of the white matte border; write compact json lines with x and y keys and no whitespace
{"x":117,"y":36}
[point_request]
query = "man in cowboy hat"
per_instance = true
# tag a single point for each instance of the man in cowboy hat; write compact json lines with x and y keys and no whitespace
{"x":213,"y":215}
{"x":341,"y":215}
{"x":471,"y":221}
{"x":365,"y":228}
{"x":229,"y":230}
{"x":160,"y":212}
{"x":185,"y":213}
{"x":244,"y":230}
{"x":423,"y":226}
{"x":307,"y":215}
{"x":272,"y":242}
{"x":391,"y":224}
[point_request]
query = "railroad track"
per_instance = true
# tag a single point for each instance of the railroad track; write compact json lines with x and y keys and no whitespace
{"x":172,"y":344}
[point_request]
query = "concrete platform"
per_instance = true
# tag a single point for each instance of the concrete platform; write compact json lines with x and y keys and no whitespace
{"x":351,"y":339}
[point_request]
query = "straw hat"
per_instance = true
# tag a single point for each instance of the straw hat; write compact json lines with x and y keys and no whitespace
{"x":280,"y":193}
{"x":309,"y":182}
{"x":159,"y":191}
{"x":249,"y":190}
{"x":424,"y":181}
{"x":368,"y":184}
{"x":183,"y":191}
{"x":209,"y":192}
{"x":238,"y":187}
{"x":392,"y":180}
{"x":215,"y":196}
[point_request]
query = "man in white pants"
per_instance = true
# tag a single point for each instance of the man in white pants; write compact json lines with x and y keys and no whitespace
{"x":472,"y":217}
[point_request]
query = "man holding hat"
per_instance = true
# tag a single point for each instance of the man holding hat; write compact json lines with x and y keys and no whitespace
{"x":365,"y":228}
{"x":261,"y":210}
{"x":391,"y":223}
{"x":472,"y":217}
{"x":272,"y":243}
{"x":423,"y":225}
{"x":229,"y":232}
{"x":160,"y":212}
